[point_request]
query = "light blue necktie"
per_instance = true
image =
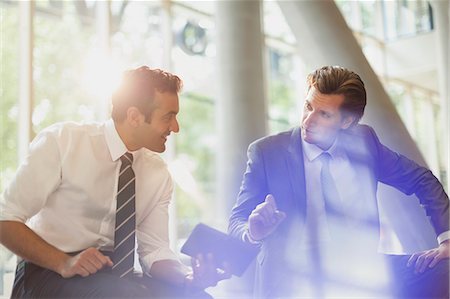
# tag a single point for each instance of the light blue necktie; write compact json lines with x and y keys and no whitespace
{"x":329,"y":190}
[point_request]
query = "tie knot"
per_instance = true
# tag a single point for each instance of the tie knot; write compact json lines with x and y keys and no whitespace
{"x":325,"y":158}
{"x":127,"y":159}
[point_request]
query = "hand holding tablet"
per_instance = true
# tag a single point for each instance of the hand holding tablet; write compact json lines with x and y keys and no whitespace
{"x":235,"y":253}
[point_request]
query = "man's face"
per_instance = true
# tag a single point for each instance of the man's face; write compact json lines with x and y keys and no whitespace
{"x":322,"y":118}
{"x":153,"y":135}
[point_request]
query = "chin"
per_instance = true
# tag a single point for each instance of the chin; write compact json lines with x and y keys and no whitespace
{"x":309,"y":139}
{"x":161,"y":149}
{"x":158,"y":149}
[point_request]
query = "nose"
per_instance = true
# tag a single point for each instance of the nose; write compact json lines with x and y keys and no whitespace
{"x":175,"y":127}
{"x":309,"y":118}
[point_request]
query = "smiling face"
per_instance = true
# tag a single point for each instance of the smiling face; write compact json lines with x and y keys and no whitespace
{"x":153,"y":132}
{"x":323,"y":119}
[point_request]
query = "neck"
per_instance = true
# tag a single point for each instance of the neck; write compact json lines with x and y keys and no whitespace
{"x":125,"y":134}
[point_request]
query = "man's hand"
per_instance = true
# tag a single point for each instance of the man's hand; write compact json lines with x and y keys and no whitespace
{"x":429,"y":258}
{"x":264,"y":219}
{"x":85,"y":263}
{"x":205,"y":273}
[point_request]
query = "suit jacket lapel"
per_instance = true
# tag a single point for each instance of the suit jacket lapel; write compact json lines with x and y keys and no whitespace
{"x":296,"y":170}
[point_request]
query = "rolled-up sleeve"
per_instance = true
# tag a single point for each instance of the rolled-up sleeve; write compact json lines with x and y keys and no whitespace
{"x":37,"y":177}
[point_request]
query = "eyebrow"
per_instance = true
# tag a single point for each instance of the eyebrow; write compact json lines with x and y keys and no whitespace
{"x":171,"y":113}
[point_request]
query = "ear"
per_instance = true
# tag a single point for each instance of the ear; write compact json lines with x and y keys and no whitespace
{"x":347,"y":122}
{"x":134,"y":116}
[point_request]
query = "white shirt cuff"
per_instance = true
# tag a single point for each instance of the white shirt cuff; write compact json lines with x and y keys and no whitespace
{"x":247,"y":238}
{"x":160,"y":254}
{"x":443,"y":237}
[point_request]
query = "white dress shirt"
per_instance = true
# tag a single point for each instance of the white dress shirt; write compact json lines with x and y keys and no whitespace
{"x":66,"y":191}
{"x":355,"y":191}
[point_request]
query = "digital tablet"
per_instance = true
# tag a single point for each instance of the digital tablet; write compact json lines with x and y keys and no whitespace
{"x":205,"y":239}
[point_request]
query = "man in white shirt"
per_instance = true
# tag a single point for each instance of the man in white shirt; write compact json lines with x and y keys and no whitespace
{"x":308,"y":199}
{"x":59,"y":213}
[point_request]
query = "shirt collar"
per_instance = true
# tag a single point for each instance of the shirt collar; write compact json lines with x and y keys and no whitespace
{"x":115,"y":144}
{"x":312,"y":151}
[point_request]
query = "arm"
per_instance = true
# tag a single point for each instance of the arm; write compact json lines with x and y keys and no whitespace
{"x":21,"y":240}
{"x":255,"y":215}
{"x":201,"y":275}
{"x":411,"y":178}
{"x":252,"y":193}
{"x":153,"y":239}
{"x":35,"y":180}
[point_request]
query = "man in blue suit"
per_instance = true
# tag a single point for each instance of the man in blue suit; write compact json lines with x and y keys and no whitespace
{"x":308,"y":199}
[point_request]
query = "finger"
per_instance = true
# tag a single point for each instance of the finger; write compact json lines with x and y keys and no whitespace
{"x":420,"y":262}
{"x":280,"y":216}
{"x":412,"y":260}
{"x":435,"y":260}
{"x":271,"y":201}
{"x":210,"y":264}
{"x":109,"y":262}
{"x":92,"y":258}
{"x":267,"y":217}
{"x":194,"y":265}
{"x":269,"y":204}
{"x":82,"y":272}
{"x":88,"y":266}
{"x":255,"y":218}
{"x":103,"y":259}
{"x":259,"y":218}
{"x":199,"y":270}
{"x":82,"y":262}
{"x":263,"y":207}
{"x":94,"y":262}
{"x":427,"y":258}
{"x":226,"y":271}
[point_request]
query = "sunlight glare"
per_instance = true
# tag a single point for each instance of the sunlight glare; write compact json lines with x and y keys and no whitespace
{"x":184,"y":178}
{"x":101,"y":75}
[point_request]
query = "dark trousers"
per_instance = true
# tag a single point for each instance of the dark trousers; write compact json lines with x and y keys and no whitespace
{"x":401,"y":281}
{"x":32,"y":281}
{"x":432,"y":283}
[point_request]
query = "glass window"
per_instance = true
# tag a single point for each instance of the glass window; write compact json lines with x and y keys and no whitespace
{"x":194,"y":166}
{"x":137,"y":34}
{"x":282,"y":70}
{"x":9,"y":94}
{"x":65,"y":87}
{"x":283,"y":102}
{"x":9,"y":91}
{"x":368,"y":17}
{"x":406,"y":18}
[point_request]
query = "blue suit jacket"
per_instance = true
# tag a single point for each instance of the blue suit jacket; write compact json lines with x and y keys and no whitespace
{"x":275,"y":166}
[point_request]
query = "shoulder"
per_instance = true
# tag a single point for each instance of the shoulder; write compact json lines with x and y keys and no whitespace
{"x":360,"y":133}
{"x":61,"y":129}
{"x":152,"y":165}
{"x":151,"y":158}
{"x":360,"y":142}
{"x":275,"y":141}
{"x":63,"y":134}
{"x":360,"y":130}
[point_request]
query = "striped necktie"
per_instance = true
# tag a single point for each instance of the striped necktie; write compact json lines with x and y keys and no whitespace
{"x":125,"y":230}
